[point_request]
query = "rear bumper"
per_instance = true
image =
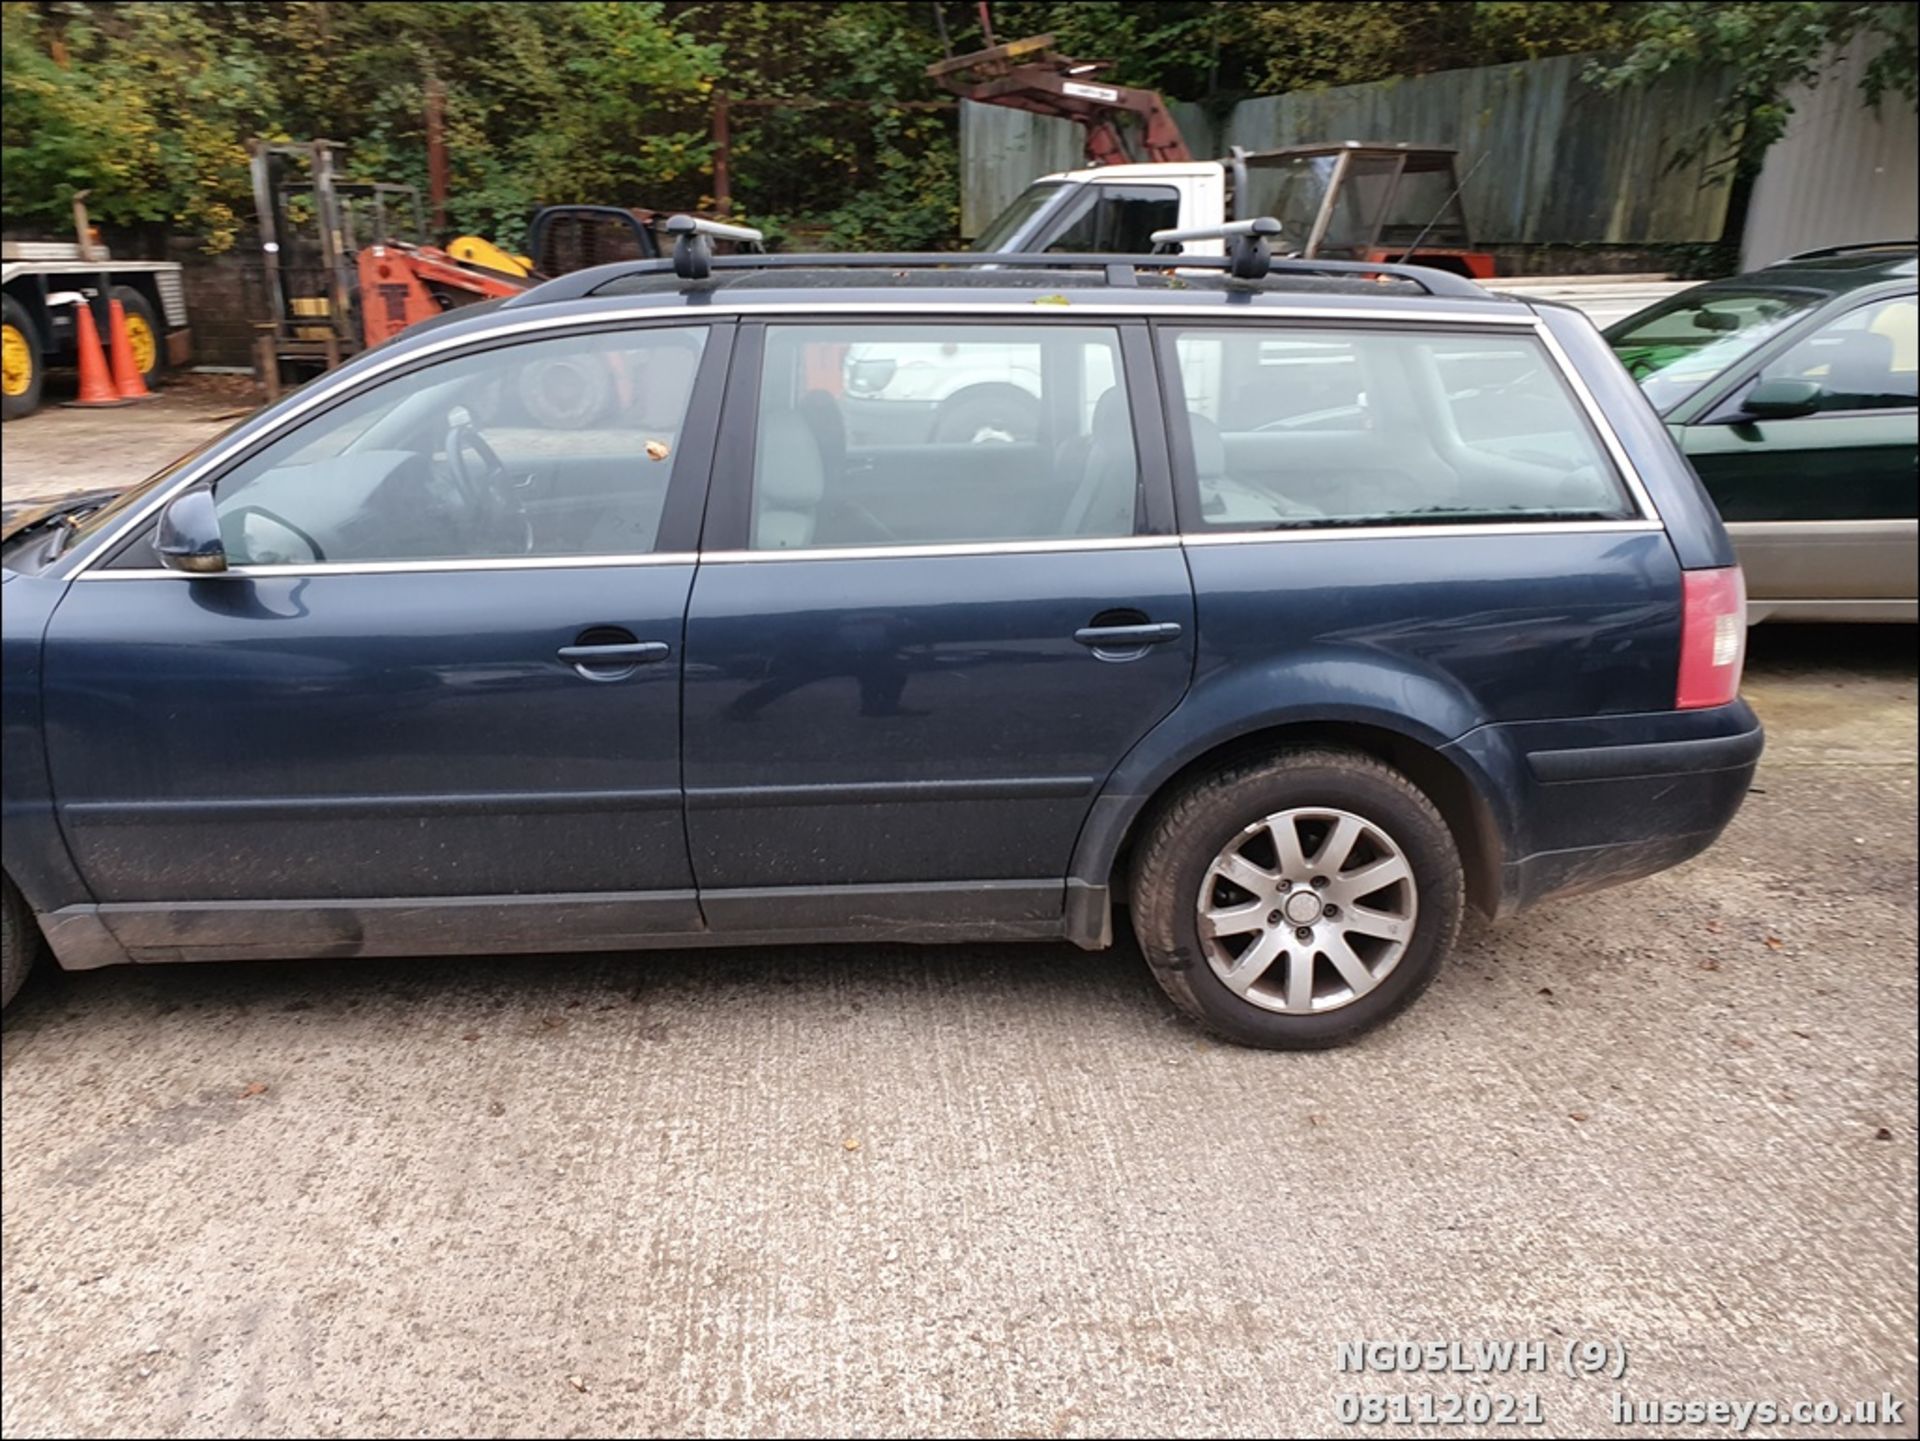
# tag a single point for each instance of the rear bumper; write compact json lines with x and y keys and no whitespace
{"x":1593,"y":803}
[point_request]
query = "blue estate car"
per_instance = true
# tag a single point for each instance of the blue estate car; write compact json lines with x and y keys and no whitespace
{"x":1312,"y":607}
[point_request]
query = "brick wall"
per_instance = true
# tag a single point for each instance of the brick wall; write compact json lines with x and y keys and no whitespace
{"x":223,"y":301}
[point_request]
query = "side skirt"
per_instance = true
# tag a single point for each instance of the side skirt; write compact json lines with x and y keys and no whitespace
{"x":89,"y":936}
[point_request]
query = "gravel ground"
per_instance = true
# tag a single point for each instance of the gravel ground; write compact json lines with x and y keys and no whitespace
{"x":56,"y":451}
{"x":987,"y":1189}
{"x":991,"y":1190}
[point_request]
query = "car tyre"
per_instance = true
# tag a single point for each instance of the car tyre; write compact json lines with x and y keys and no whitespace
{"x":144,"y":335}
{"x":25,"y":362}
{"x":1194,"y":846}
{"x":19,"y":941}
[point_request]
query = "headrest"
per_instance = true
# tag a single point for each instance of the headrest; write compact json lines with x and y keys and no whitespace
{"x":1209,"y":450}
{"x":787,"y":472}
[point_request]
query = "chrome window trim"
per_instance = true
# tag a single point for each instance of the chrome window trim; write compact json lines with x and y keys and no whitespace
{"x":944,"y":548}
{"x":401,"y":567}
{"x":1519,"y":317}
{"x":1048,"y":306}
{"x":1461,"y":531}
{"x":1290,"y":534}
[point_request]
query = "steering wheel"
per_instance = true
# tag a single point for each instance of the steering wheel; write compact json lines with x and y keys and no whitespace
{"x":487,"y":490}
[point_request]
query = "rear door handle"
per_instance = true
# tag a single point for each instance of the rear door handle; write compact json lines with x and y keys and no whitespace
{"x":614,"y":661}
{"x":1121,"y":637}
{"x":632,"y":653}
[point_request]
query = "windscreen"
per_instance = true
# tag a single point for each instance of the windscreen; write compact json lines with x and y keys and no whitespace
{"x":1001,"y":234}
{"x":1676,"y":347}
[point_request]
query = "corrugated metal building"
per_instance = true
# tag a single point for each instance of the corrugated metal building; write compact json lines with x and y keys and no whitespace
{"x":1564,"y":163}
{"x":1842,"y":173}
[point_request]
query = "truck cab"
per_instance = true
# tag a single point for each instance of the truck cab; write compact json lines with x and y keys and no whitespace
{"x":1345,"y":201}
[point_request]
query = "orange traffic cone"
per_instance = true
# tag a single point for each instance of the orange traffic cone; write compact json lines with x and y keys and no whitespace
{"x":126,"y":373}
{"x":96,"y":386}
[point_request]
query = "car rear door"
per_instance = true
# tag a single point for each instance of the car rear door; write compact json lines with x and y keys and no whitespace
{"x":912,"y":664}
{"x":1822,"y":507}
{"x":435,"y":703}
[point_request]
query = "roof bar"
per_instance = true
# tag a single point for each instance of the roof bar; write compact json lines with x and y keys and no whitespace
{"x":1249,"y":255}
{"x":581,"y":284}
{"x":692,"y":255}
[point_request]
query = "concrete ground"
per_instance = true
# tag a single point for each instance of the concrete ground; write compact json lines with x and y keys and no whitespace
{"x":1002,"y":1190}
{"x":988,"y":1189}
{"x":56,"y":451}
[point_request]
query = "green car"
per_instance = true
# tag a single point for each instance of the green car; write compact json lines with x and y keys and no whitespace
{"x":1791,"y":389}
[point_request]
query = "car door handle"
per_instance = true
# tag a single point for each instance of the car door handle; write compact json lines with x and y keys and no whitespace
{"x":1120,"y":637}
{"x":630,"y":653}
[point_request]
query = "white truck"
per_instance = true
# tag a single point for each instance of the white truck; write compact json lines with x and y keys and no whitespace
{"x":1345,"y":201}
{"x":41,"y":279}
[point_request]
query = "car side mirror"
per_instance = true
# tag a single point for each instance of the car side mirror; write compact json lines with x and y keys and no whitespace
{"x":1782,"y":399}
{"x":188,"y":536}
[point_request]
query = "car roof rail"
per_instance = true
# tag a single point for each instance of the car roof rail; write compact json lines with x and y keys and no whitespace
{"x":1854,"y":248}
{"x":693,"y":260}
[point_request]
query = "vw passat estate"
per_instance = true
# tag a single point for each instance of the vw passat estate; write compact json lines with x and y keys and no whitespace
{"x":1291,"y":609}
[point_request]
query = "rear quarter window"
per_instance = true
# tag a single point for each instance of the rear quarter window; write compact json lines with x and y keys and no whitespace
{"x":1290,"y":428}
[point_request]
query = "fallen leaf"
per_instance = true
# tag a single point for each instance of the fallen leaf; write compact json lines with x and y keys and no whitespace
{"x":850,"y":1144}
{"x":1546,"y":990}
{"x":1710,"y":964}
{"x":1577,"y":1115}
{"x":1774,"y":943}
{"x":258,"y":1088}
{"x":1715,"y":927}
{"x":1313,"y":1120}
{"x":577,"y":1382}
{"x":471,"y":1036}
{"x":1881,"y":1133}
{"x":1745,"y":1043}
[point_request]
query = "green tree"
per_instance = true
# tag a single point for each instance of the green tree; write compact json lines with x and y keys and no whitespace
{"x":1767,"y":50}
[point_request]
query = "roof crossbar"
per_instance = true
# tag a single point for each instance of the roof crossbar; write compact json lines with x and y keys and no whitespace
{"x":1107,"y":268}
{"x":1249,"y":255}
{"x":692,"y":254}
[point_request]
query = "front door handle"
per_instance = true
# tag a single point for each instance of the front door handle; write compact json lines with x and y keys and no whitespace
{"x":1125,"y":637}
{"x":612,"y":662}
{"x":633,"y":653}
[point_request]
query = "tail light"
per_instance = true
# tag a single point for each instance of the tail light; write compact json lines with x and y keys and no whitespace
{"x":1713,"y":637}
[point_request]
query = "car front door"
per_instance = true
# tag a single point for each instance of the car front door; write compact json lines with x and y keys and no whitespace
{"x":1822,"y":506}
{"x":434,"y":702}
{"x":912,"y":661}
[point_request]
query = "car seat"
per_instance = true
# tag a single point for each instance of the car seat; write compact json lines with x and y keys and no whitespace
{"x":789,"y":480}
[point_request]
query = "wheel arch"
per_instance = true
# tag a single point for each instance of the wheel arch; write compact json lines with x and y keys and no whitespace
{"x":1121,"y":819}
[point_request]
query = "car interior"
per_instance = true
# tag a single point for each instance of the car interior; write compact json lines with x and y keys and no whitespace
{"x":1072,"y":473}
{"x":1353,"y":429}
{"x":467,"y":466}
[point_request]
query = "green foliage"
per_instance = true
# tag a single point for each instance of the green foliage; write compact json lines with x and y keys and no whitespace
{"x":148,"y":105}
{"x":1767,"y":50}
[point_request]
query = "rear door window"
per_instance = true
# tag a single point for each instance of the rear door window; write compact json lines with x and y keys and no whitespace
{"x":877,"y":435}
{"x":1305,"y":428}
